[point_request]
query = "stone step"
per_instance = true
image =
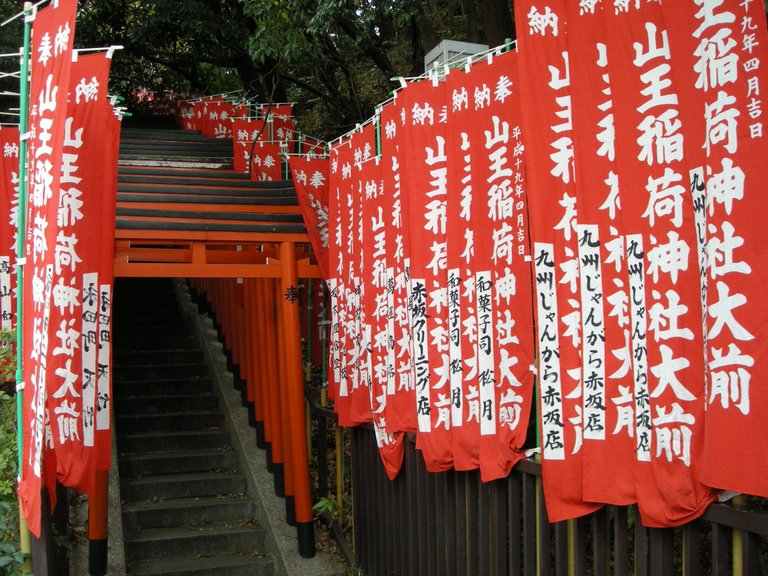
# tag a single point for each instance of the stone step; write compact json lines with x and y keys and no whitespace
{"x":128,"y":172}
{"x":160,"y":371}
{"x":150,"y":330}
{"x":126,"y":388}
{"x":150,"y":342}
{"x":181,"y":486}
{"x":170,"y":422}
{"x":149,"y":404}
{"x":219,"y":565}
{"x":193,"y":541}
{"x":164,"y":441}
{"x":186,"y":512}
{"x":133,"y":357}
{"x":178,"y":462}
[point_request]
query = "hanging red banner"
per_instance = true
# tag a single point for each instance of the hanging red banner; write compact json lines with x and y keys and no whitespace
{"x":310,"y":179}
{"x":661,"y":247}
{"x":424,"y":180}
{"x":87,"y":223}
{"x":401,"y":399}
{"x":722,"y":48}
{"x":546,"y":100}
{"x":501,"y":260}
{"x":266,"y":162}
{"x":610,"y":435}
{"x":9,"y":206}
{"x":375,"y":308}
{"x":244,"y":132}
{"x":47,"y":249}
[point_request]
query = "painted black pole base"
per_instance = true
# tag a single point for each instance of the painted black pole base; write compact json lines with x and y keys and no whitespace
{"x":244,"y":402}
{"x":97,"y":557}
{"x":270,"y":464}
{"x":252,"y":416}
{"x":305,"y":533}
{"x":260,"y":442}
{"x":278,"y":475}
{"x":290,"y":511}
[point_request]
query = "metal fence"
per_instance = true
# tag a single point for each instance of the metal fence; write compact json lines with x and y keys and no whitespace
{"x":451,"y":523}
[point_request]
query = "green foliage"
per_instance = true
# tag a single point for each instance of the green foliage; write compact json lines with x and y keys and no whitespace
{"x":328,"y":509}
{"x":11,"y":558}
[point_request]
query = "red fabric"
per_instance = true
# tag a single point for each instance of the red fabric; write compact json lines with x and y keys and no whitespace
{"x":244,"y":132}
{"x":545,"y":93}
{"x":81,"y":433}
{"x":310,"y":179}
{"x":9,"y":202}
{"x":375,"y":311}
{"x":401,"y":398}
{"x":502,"y":276}
{"x":210,"y":125}
{"x":665,"y":310}
{"x":610,"y":437}
{"x":723,"y":50}
{"x":266,"y":162}
{"x":424,"y":180}
{"x":52,"y":36}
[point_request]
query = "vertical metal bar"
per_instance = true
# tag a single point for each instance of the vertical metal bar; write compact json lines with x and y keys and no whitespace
{"x":499,"y":527}
{"x":621,"y":541}
{"x":452,"y":538}
{"x":641,"y":547}
{"x":580,"y":531}
{"x":662,"y":551}
{"x":462,"y":531}
{"x":514,"y":520}
{"x":473,"y":523}
{"x":483,"y":531}
{"x":601,"y":542}
{"x":562,"y":539}
{"x":411,"y":469}
{"x":441,"y":521}
{"x":720,"y":550}
{"x":750,"y":554}
{"x":544,"y":531}
{"x":691,"y":548}
{"x":529,"y":525}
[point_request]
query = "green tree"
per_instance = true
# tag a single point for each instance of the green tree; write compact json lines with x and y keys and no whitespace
{"x":335,"y":58}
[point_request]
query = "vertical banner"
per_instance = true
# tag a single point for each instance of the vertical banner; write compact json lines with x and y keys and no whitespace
{"x":401,"y":413}
{"x":375,"y":309}
{"x":52,"y":35}
{"x":244,"y":132}
{"x":462,"y":203}
{"x":608,"y":402}
{"x":266,"y":162}
{"x":661,"y":246}
{"x":502,"y":264}
{"x":722,"y":48}
{"x":424,"y":164}
{"x":310,"y":179}
{"x":548,"y":129}
{"x":9,"y":208}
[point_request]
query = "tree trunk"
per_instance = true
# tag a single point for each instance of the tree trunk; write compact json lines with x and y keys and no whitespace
{"x":497,"y":20}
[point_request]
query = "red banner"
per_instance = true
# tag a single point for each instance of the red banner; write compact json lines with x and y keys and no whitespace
{"x":310,"y":179}
{"x":244,"y":132}
{"x":501,"y":261}
{"x":266,"y":162}
{"x":374,"y":290}
{"x":665,"y":308}
{"x":47,"y":250}
{"x":610,"y":435}
{"x":9,"y":206}
{"x":424,"y":181}
{"x":401,"y":400}
{"x":546,"y":98}
{"x":722,"y":49}
{"x":80,"y":325}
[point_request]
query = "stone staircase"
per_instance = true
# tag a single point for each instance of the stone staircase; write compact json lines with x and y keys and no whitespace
{"x":184,"y":506}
